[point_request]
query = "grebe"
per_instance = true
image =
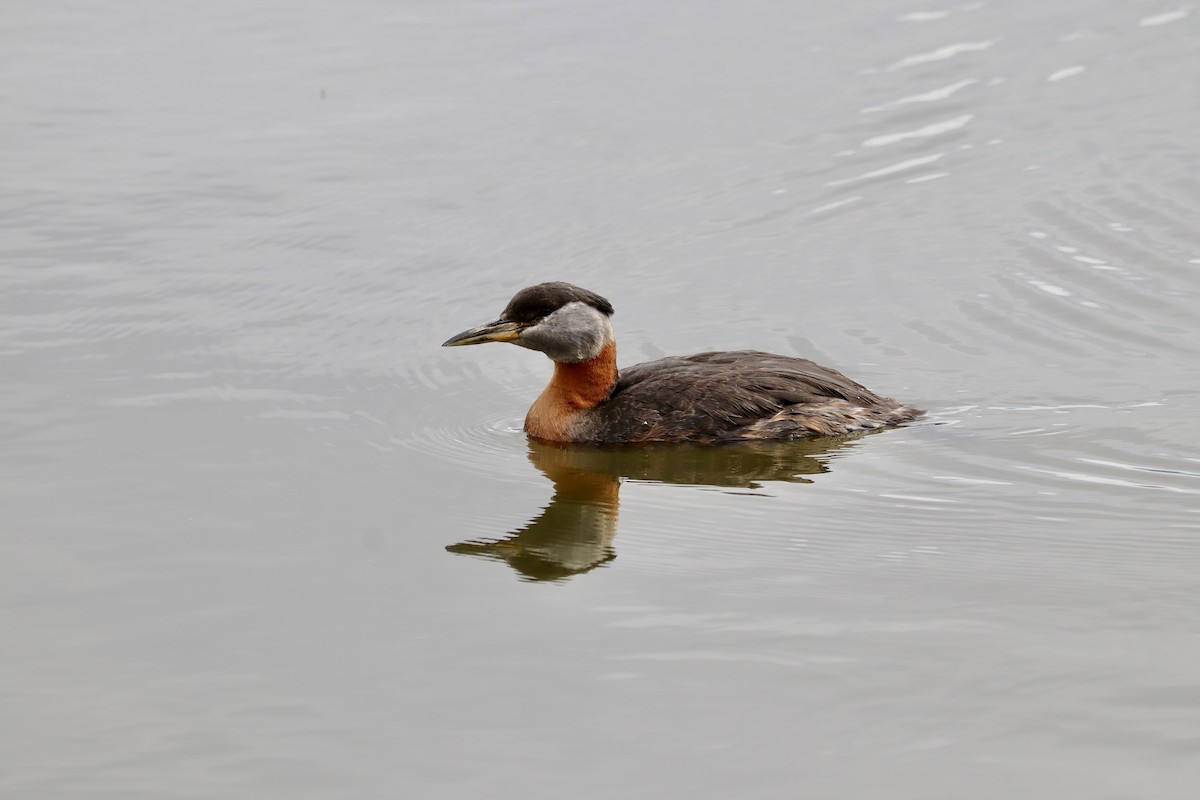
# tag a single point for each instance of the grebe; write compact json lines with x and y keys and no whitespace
{"x":707,"y":398}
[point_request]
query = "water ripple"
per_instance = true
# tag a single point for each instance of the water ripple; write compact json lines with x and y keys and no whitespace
{"x":940,"y":54}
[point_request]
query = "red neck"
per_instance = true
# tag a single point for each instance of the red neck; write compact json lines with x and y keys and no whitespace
{"x":574,"y":388}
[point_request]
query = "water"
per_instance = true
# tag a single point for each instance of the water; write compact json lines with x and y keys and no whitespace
{"x":263,"y":538}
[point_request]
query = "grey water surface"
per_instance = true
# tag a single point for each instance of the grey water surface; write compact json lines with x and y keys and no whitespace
{"x":262,"y":538}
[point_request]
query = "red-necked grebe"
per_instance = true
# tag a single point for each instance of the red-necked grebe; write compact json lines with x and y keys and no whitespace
{"x":709,"y":397}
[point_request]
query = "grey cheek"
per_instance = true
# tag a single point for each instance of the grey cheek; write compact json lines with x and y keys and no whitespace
{"x":584,"y":345}
{"x":545,"y":348}
{"x":571,"y":335}
{"x":541,"y":341}
{"x":560,"y":345}
{"x":572,"y":348}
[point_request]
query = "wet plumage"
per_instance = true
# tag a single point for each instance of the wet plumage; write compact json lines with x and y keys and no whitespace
{"x":741,"y":394}
{"x":707,"y":397}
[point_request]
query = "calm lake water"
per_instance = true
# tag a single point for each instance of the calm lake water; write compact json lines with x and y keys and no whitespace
{"x":263,"y":538}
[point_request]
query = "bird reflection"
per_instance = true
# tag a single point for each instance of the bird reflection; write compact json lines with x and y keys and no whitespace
{"x":574,"y":533}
